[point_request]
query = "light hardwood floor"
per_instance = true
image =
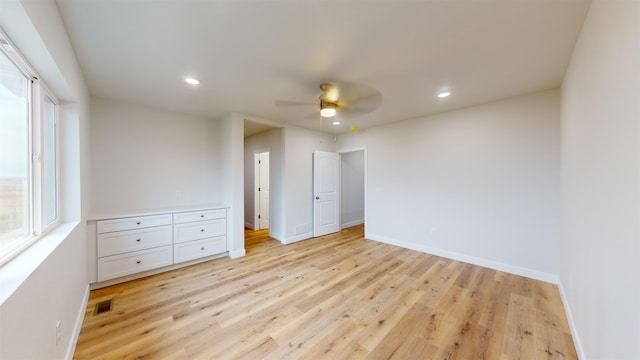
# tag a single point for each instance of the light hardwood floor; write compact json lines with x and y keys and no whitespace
{"x":334,"y":297}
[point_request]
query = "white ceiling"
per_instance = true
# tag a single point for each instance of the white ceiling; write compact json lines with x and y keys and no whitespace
{"x":250,"y":53}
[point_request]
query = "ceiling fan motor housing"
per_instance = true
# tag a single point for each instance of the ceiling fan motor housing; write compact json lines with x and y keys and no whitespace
{"x":327,"y":109}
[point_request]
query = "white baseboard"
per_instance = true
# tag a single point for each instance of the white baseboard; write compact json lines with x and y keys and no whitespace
{"x":512,"y":269}
{"x":572,"y":325}
{"x":297,"y":238}
{"x":237,"y":253}
{"x":75,"y":333}
{"x":249,"y":226}
{"x":352,"y":223}
{"x":276,"y":236}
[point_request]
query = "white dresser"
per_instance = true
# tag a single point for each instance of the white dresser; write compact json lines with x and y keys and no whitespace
{"x":199,"y":233}
{"x":127,"y":247}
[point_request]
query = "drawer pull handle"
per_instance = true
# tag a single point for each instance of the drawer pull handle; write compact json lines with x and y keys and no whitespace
{"x":137,"y":222}
{"x":138,"y":262}
{"x":202,"y":215}
{"x":201,"y":230}
{"x":202,"y":249}
{"x":138,"y":240}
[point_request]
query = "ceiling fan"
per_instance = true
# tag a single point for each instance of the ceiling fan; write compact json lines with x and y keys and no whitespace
{"x":346,"y":99}
{"x":328,"y":100}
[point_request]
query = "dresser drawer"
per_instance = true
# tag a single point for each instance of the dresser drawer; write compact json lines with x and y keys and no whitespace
{"x":130,"y":223}
{"x":120,"y":265}
{"x":119,"y":242}
{"x":199,"y":230}
{"x":191,"y":216}
{"x":199,"y":248}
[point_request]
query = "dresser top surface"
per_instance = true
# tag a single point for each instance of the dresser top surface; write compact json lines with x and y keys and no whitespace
{"x":155,"y":211}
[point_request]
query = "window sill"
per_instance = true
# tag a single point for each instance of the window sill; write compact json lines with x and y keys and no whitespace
{"x":18,"y":269}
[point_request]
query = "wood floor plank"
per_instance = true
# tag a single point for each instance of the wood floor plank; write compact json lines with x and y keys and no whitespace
{"x":335,"y":297}
{"x":340,"y":343}
{"x":381,"y":318}
{"x":394,"y":344}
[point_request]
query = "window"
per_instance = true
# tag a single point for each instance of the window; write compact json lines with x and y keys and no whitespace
{"x":28,"y":154}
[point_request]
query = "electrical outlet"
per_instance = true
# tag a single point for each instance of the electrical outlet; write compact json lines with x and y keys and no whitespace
{"x":58,"y":332}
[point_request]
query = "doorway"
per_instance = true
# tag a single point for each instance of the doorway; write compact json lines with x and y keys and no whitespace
{"x":263,"y":138}
{"x":353,"y":184}
{"x":339,"y":183}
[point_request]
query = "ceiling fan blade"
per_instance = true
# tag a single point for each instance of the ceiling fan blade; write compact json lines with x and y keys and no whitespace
{"x":364,"y":104}
{"x":289,"y":103}
{"x":312,"y":116}
{"x":361,"y":106}
{"x":299,"y":109}
{"x":352,"y":112}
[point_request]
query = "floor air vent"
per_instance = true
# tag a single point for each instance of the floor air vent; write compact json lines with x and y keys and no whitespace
{"x":103,"y":306}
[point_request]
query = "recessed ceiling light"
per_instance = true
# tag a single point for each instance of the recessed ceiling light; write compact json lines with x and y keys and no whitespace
{"x":192,"y":81}
{"x":336,"y":122}
{"x":444,"y":94}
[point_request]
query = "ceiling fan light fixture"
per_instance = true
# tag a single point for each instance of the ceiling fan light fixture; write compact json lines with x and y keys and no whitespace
{"x":327,"y":109}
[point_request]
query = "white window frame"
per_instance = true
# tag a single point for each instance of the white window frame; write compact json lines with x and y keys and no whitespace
{"x":41,"y":91}
{"x":37,"y":92}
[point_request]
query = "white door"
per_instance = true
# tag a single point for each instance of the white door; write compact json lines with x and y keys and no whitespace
{"x":326,"y":192}
{"x":264,"y":190}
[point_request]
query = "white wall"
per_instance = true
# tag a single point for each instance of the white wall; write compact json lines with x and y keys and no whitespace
{"x":600,"y":267}
{"x":271,"y":140}
{"x":231,"y":186}
{"x":352,"y":188}
{"x":298,"y":180}
{"x":479,"y":184}
{"x":145,"y":158}
{"x":49,"y":280}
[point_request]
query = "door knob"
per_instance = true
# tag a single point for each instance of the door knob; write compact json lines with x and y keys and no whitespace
{"x":317,"y":197}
